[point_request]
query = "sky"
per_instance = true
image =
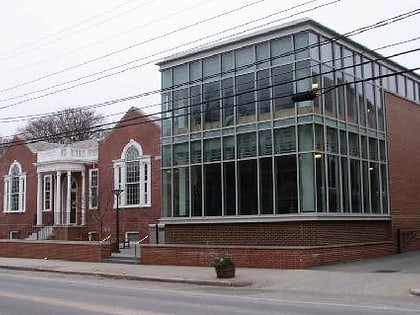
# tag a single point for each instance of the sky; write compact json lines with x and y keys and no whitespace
{"x":78,"y":53}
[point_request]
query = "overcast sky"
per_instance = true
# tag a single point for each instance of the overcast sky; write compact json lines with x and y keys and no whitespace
{"x":51,"y":42}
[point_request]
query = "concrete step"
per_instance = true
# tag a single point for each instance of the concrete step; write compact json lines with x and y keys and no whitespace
{"x":122,"y":260}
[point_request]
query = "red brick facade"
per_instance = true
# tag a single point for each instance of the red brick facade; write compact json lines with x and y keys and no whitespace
{"x":300,"y":244}
{"x":147,"y":133}
{"x":20,"y":222}
{"x":403,"y":128}
{"x":298,"y":233}
{"x":100,"y":221}
{"x":288,"y":257}
{"x":76,"y":251}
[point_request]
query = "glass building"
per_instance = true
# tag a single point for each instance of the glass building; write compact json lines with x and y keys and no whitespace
{"x":235,"y":144}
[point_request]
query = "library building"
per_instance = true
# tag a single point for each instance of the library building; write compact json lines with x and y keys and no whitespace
{"x":290,"y":147}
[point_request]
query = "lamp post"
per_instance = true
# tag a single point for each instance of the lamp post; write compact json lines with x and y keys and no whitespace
{"x":117,"y":192}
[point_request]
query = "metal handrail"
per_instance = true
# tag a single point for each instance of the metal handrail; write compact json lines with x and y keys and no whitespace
{"x":138,"y":243}
{"x":144,"y":238}
{"x":105,"y":239}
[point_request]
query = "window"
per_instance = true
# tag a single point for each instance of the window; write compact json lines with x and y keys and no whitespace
{"x":211,"y":105}
{"x":47,"y":192}
{"x":132,"y":236}
{"x":132,"y":174}
{"x":14,"y":189}
{"x":245,"y":99}
{"x":14,"y":235}
{"x":93,"y":188}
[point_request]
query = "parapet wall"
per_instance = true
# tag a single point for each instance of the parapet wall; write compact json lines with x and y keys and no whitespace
{"x":286,"y":257}
{"x":62,"y":250}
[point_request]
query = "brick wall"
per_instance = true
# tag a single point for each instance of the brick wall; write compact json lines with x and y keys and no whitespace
{"x":261,"y":257}
{"x":403,"y":128}
{"x":147,"y":133}
{"x":299,"y":233}
{"x":75,"y":251}
{"x":21,"y":222}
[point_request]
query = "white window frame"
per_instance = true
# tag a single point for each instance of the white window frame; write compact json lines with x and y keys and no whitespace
{"x":22,"y":190}
{"x":91,"y":171}
{"x":120,"y":175}
{"x":44,"y":195}
{"x":14,"y":235}
{"x":128,"y":235}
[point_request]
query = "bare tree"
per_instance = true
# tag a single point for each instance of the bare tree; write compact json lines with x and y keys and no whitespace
{"x":66,"y":126}
{"x":98,"y":214}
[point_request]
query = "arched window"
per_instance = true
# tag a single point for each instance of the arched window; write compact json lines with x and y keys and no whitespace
{"x":14,"y":189}
{"x":132,"y":175}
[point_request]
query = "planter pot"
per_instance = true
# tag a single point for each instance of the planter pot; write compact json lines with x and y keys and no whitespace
{"x":225,"y":272}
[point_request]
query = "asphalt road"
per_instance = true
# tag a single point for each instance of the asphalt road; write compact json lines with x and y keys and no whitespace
{"x":43,"y":293}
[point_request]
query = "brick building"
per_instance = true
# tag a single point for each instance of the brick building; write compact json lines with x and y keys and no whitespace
{"x":251,"y":170}
{"x":67,"y":191}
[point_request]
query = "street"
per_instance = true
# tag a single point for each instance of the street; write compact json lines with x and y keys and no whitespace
{"x":46,"y":293}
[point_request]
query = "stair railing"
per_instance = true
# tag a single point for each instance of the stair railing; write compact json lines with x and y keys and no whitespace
{"x":106,"y":240}
{"x":138,"y":244}
{"x":44,"y":232}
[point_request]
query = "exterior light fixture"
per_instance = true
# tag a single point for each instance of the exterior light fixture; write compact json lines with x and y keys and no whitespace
{"x":307,"y":95}
{"x":318,"y":156}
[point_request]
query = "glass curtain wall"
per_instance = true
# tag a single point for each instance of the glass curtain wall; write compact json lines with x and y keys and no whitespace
{"x":235,"y":144}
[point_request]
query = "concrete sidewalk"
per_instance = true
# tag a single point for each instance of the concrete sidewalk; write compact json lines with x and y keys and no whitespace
{"x":351,"y":278}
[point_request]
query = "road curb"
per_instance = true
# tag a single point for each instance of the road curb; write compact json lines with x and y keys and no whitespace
{"x":224,"y":283}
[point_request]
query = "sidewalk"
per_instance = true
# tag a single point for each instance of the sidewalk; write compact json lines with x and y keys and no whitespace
{"x":351,"y":278}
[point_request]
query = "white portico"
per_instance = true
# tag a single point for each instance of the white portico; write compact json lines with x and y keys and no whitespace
{"x":61,"y":188}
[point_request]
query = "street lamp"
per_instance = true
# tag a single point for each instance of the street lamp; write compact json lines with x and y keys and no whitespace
{"x":117,"y":192}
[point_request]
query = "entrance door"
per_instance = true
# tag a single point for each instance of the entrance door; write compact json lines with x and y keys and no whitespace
{"x":69,"y":212}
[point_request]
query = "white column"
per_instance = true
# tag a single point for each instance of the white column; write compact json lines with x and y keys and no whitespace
{"x":57,"y":205}
{"x":39,"y":190}
{"x":68,"y":197}
{"x":83,"y":198}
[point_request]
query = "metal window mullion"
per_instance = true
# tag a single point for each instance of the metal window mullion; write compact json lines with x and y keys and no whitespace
{"x":202,"y":178}
{"x":325,"y":194}
{"x":236,"y":186}
{"x":274,"y":169}
{"x":190,"y":196}
{"x":258,"y":160}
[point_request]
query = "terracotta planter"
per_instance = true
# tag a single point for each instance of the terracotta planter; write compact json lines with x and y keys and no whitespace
{"x":225,"y":272}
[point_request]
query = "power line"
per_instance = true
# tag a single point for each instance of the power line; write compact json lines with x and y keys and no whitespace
{"x":22,"y":50}
{"x":153,"y":115}
{"x":348,"y":34}
{"x":154,"y":120}
{"x":132,"y":46}
{"x":183,"y":10}
{"x":107,"y":103}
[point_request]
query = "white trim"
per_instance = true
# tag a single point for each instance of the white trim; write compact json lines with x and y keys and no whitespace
{"x":49,"y":176}
{"x":91,"y":171}
{"x":57,"y":204}
{"x":132,"y":233}
{"x":279,"y":218}
{"x":120,"y":178}
{"x":21,"y":177}
{"x":39,"y":199}
{"x":11,"y":233}
{"x":130,"y":144}
{"x":83,"y":201}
